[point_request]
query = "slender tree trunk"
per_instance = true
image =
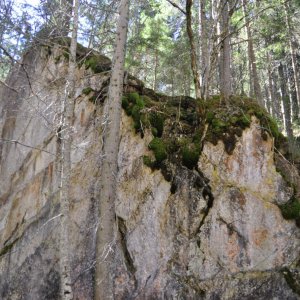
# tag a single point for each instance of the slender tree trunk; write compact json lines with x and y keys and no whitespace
{"x":195,"y":72}
{"x":155,"y":71}
{"x":293,"y":53}
{"x":255,"y":89}
{"x":286,"y":102}
{"x":293,"y":94}
{"x":106,"y":234}
{"x":276,"y":112}
{"x":213,"y":40}
{"x":268,"y":99}
{"x":66,"y":138}
{"x":204,"y":53}
{"x":225,"y":73}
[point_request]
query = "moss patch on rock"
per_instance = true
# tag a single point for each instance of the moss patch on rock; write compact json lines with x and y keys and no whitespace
{"x":133,"y":105}
{"x":228,"y":120}
{"x":8,"y":247}
{"x":159,"y":149}
{"x":84,"y":56}
{"x":177,"y":125}
{"x":86,"y":91}
{"x":190,"y":155}
{"x":291,"y":210}
{"x":97,"y":63}
{"x":291,"y":281}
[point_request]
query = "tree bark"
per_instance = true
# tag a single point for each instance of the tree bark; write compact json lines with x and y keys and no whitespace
{"x":225,"y":73}
{"x":292,"y":52}
{"x":194,"y":66}
{"x":255,"y":88}
{"x":155,"y":70}
{"x":286,"y":102}
{"x":293,"y":93}
{"x":204,"y":49}
{"x":106,"y":234}
{"x":66,"y":140}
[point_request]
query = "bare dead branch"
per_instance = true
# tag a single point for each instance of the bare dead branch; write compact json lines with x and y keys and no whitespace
{"x":24,"y":145}
{"x":9,"y":87}
{"x":177,"y":6}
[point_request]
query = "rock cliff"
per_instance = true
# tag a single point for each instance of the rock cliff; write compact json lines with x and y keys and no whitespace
{"x":199,"y":213}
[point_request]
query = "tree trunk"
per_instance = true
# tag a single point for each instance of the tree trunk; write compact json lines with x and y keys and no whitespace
{"x":286,"y":102}
{"x":293,"y":94}
{"x":106,"y":234}
{"x":268,"y":99}
{"x":189,"y":29}
{"x":225,"y":73}
{"x":66,"y":140}
{"x":293,"y":53}
{"x":155,"y":70}
{"x":204,"y":53}
{"x":255,"y":89}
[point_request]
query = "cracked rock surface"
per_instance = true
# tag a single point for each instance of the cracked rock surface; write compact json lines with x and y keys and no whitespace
{"x":220,"y":235}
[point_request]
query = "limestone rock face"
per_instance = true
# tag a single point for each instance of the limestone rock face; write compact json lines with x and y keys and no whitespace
{"x":218,"y":235}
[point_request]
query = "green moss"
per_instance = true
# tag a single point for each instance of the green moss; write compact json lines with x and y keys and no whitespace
{"x":291,"y":281}
{"x":189,"y":117}
{"x":217,"y":123}
{"x":97,"y":63}
{"x":190,"y":155}
{"x":154,"y":132}
{"x":136,"y":116}
{"x":243,"y":121}
{"x":291,"y":210}
{"x":133,"y":104}
{"x":133,"y":97}
{"x":157,"y":122}
{"x":209,"y":116}
{"x":66,"y":55}
{"x":87,"y":90}
{"x":148,"y":161}
{"x":159,"y":148}
{"x":125,"y":103}
{"x":93,"y":99}
{"x":273,"y":127}
{"x":226,"y":121}
{"x":7,"y":248}
{"x":171,"y":145}
{"x":140,"y":103}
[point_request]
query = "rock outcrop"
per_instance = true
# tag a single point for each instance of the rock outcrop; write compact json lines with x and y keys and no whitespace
{"x":219,"y":234}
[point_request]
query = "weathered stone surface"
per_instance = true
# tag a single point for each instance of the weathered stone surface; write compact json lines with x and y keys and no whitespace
{"x":220,"y":235}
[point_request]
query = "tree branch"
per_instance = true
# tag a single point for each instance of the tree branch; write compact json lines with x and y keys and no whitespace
{"x":27,"y":146}
{"x":9,"y":87}
{"x":177,"y":6}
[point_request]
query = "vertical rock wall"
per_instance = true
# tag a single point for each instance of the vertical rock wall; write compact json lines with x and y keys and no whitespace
{"x":220,"y":235}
